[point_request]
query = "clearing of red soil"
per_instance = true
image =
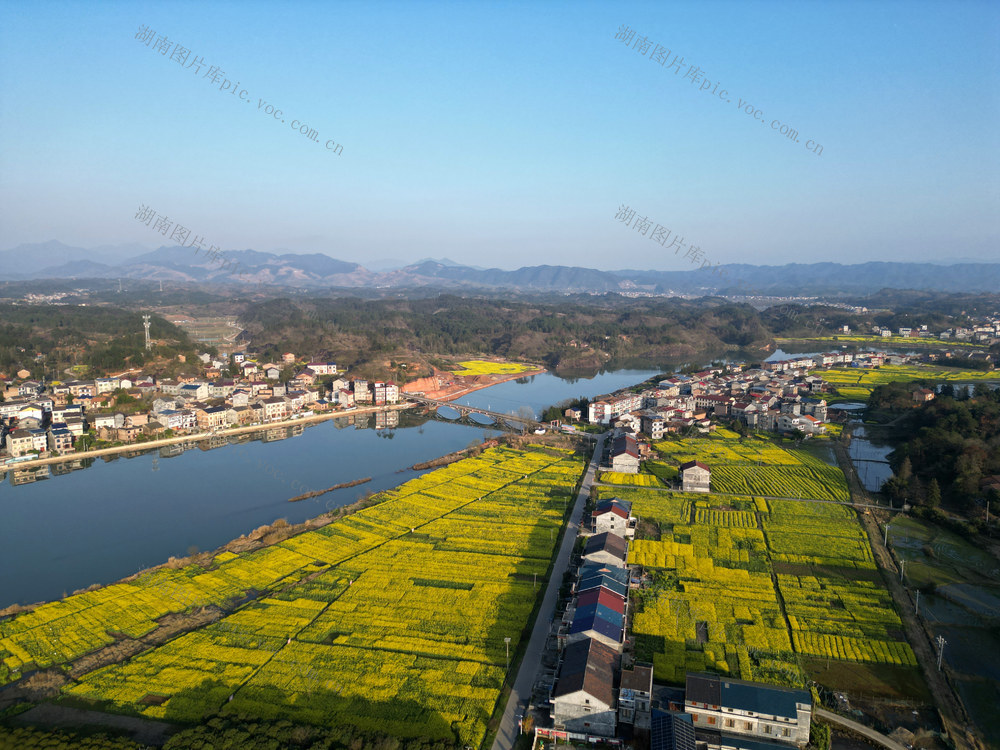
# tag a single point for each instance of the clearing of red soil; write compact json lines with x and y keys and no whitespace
{"x":446,"y":386}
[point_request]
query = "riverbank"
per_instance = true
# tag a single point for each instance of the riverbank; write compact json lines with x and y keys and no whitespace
{"x":199,"y":436}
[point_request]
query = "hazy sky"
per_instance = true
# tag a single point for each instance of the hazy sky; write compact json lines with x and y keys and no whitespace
{"x":508,"y":134}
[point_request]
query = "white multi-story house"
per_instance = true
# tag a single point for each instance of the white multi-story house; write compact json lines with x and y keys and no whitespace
{"x":19,"y":442}
{"x":275,"y":409}
{"x":613,"y":516}
{"x":748,"y":709}
{"x":605,"y":410}
{"x":107,"y":385}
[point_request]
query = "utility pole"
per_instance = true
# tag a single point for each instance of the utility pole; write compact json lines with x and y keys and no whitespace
{"x":506,"y":642}
{"x":902,"y":569}
{"x":941,"y":644}
{"x":145,"y":324}
{"x":917,"y":606}
{"x":886,"y":542}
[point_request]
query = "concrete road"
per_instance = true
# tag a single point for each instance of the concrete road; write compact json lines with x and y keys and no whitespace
{"x":867,"y":732}
{"x":525,"y":680}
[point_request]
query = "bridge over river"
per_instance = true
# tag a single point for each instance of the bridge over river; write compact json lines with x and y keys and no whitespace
{"x":500,"y":419}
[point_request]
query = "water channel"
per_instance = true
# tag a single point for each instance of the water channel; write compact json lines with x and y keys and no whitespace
{"x":111,"y":518}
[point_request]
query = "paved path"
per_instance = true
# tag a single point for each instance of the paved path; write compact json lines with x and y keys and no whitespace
{"x":525,"y":680}
{"x":861,"y":729}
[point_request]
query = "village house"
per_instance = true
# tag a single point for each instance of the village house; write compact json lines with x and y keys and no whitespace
{"x":607,"y":409}
{"x":75,"y":424}
{"x":99,"y":421}
{"x":221,"y":388}
{"x":60,"y":440}
{"x":748,"y":709}
{"x":605,"y":548}
{"x":653,"y":425}
{"x":237,"y":415}
{"x":19,"y":442}
{"x":82,"y":388}
{"x":322,"y":368}
{"x":624,"y":455}
{"x":599,"y":623}
{"x":303,"y":379}
{"x":288,"y":358}
{"x":361,"y":393}
{"x":107,"y":385}
{"x":613,"y":516}
{"x":599,"y":576}
{"x":635,"y":696}
{"x":923,"y":395}
{"x":583,"y":699}
{"x":695,"y":477}
{"x":29,"y":389}
{"x":275,"y":409}
{"x":193,"y":391}
{"x":211,"y":417}
{"x":39,"y":439}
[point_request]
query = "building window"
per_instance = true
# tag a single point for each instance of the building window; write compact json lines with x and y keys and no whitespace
{"x":711,"y":719}
{"x":730,"y":723}
{"x":786,"y":732}
{"x":767,"y":729}
{"x":748,"y":725}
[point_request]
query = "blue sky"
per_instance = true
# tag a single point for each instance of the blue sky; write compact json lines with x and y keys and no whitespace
{"x":508,"y":134}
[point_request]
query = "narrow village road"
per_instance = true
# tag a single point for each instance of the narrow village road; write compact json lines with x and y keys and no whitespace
{"x":949,"y":705}
{"x":831,"y":718}
{"x":525,"y":680}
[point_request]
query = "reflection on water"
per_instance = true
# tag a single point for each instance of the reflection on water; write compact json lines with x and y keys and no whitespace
{"x":870,"y":460}
{"x":133,"y":510}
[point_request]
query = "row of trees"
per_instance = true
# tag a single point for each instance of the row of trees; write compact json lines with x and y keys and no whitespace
{"x":954,"y":446}
{"x":354,"y":331}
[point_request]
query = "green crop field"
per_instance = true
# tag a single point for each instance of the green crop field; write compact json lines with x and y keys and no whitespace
{"x":758,"y":592}
{"x":488,"y":367}
{"x":893,"y":341}
{"x":858,"y":383}
{"x":391,"y":619}
{"x":758,"y":466}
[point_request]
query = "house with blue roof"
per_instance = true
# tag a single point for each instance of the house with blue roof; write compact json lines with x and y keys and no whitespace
{"x":734,"y":712}
{"x":597,"y":627}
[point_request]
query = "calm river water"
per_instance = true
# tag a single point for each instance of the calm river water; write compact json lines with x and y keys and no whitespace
{"x":116,"y":517}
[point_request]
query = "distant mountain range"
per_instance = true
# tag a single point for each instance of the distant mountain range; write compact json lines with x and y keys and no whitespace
{"x":55,"y":260}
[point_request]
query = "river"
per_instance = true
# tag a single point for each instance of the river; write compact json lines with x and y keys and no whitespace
{"x":870,"y":459}
{"x":118,"y":516}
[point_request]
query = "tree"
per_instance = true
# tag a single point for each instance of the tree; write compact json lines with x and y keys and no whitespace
{"x":933,"y":494}
{"x":905,"y":471}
